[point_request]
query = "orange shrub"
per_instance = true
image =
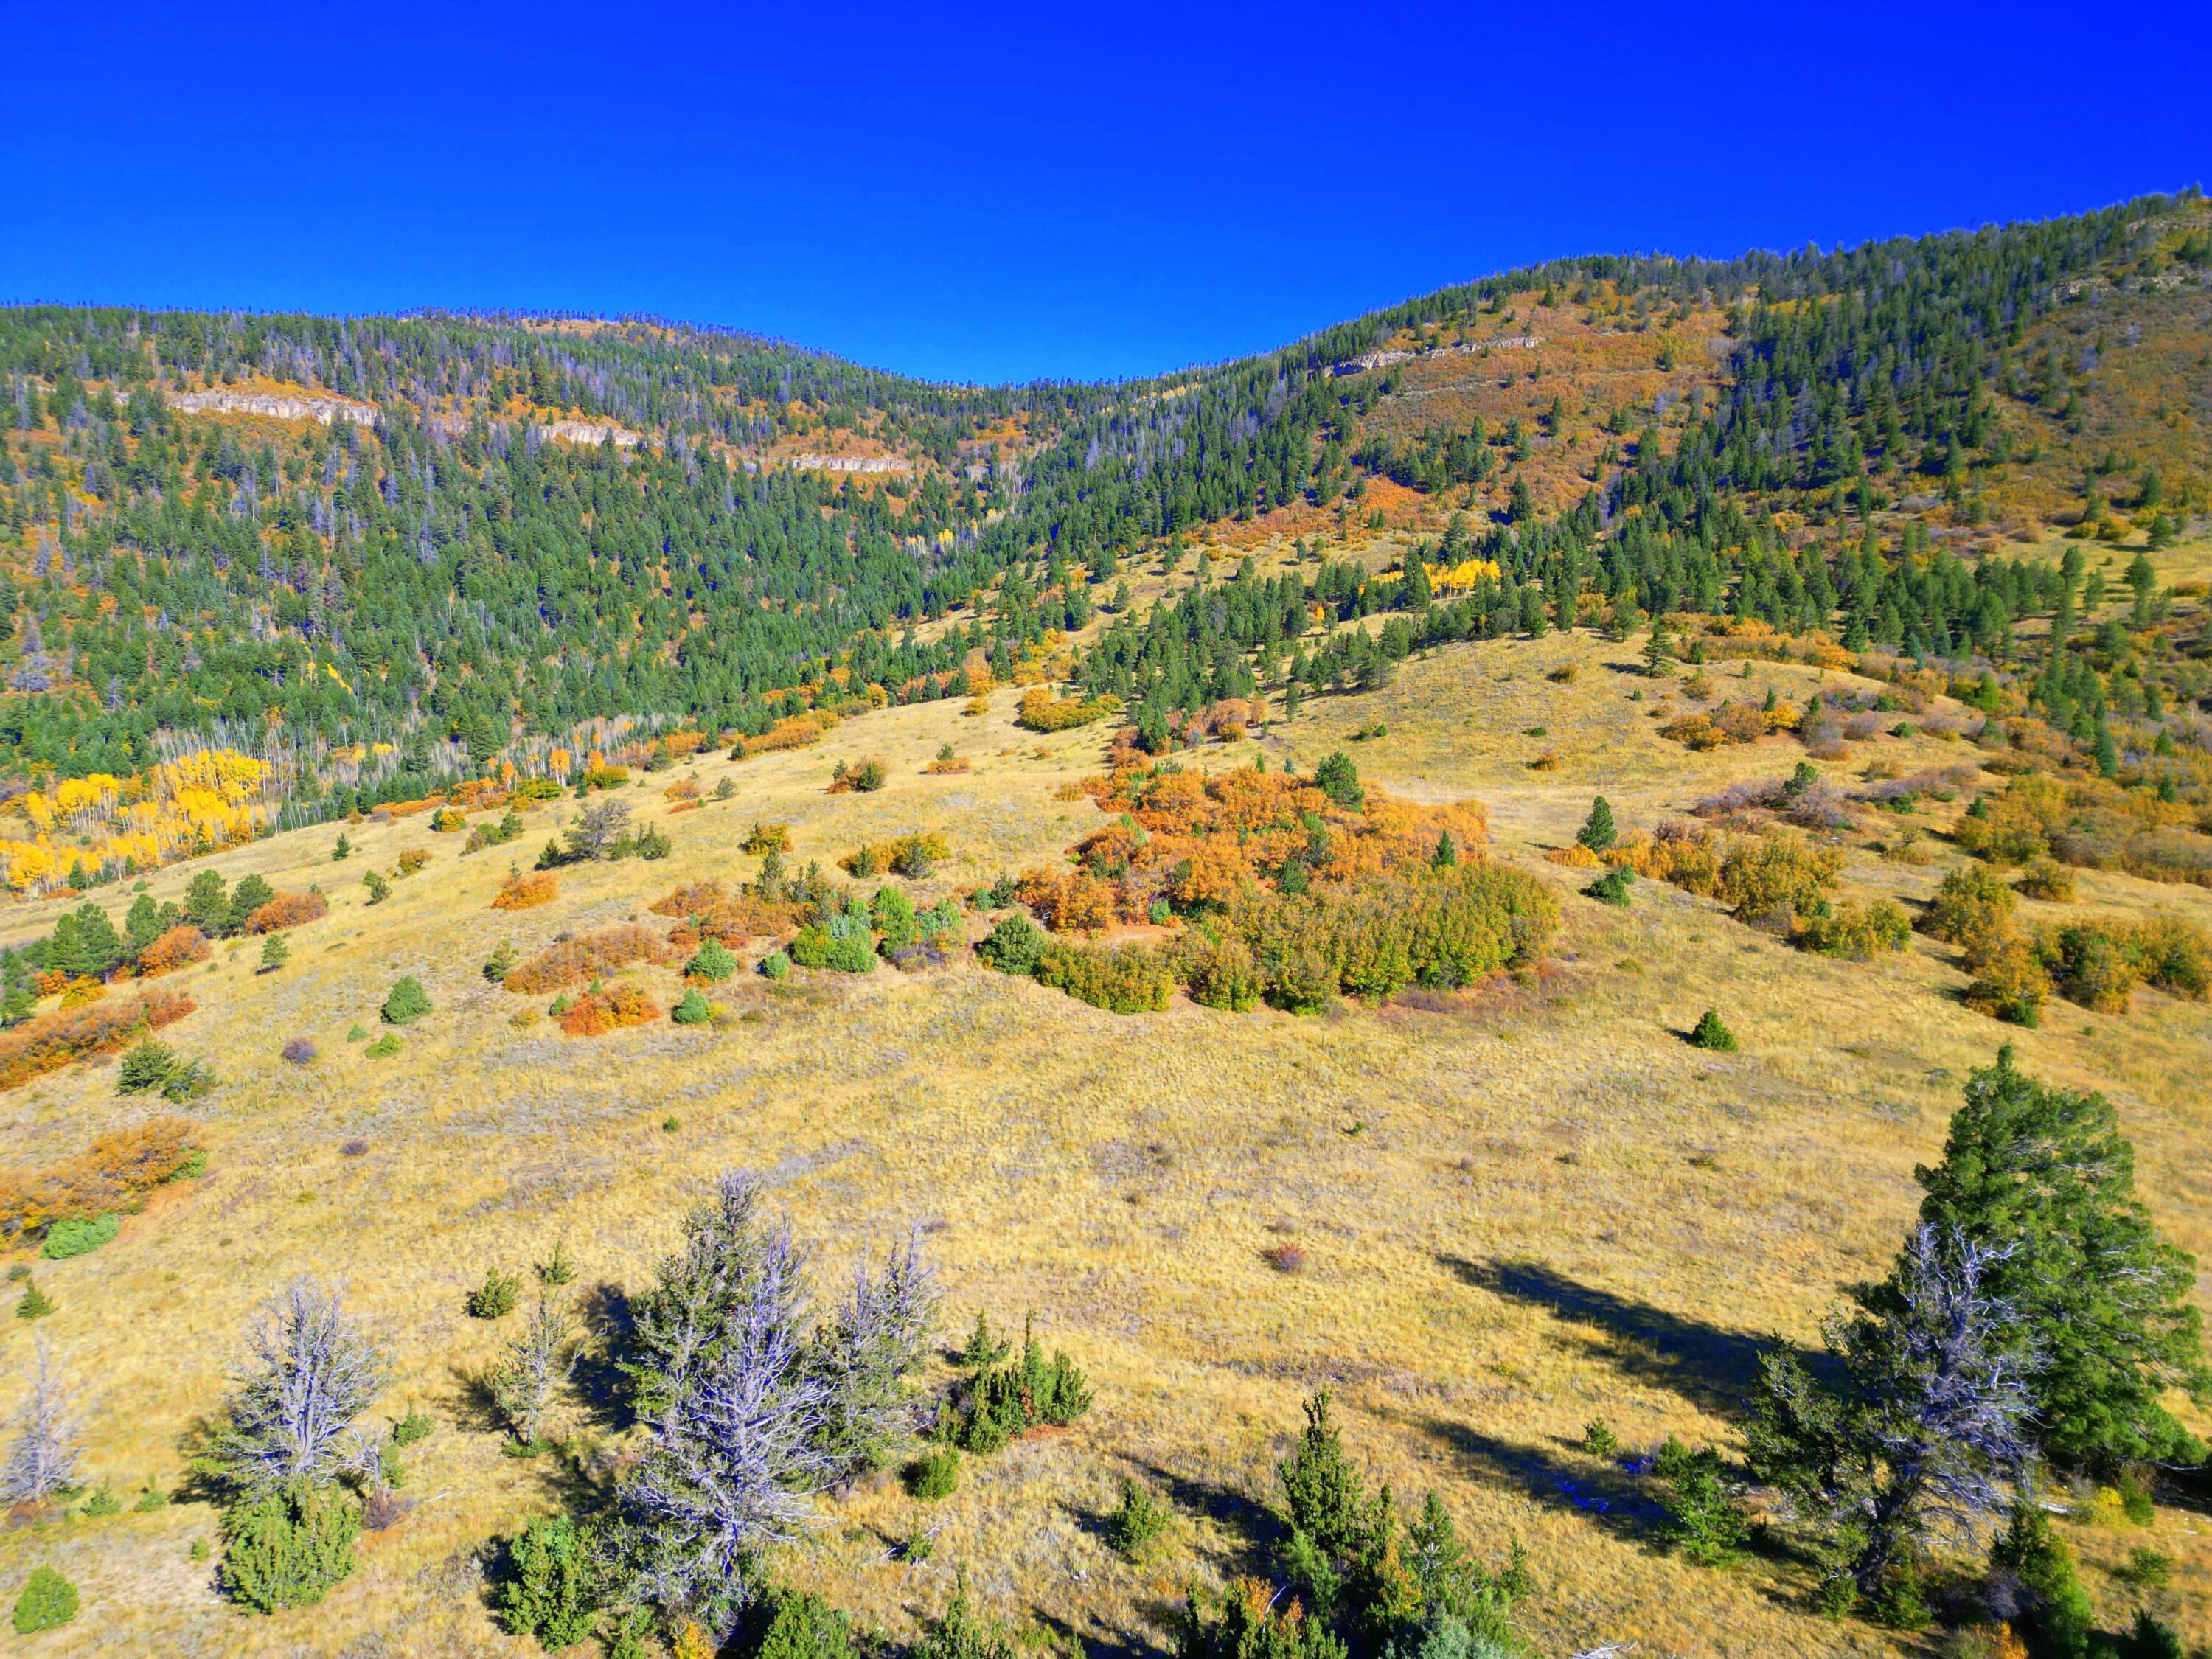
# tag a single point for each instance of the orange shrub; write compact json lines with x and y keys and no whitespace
{"x":1069,"y":903}
{"x":573,"y":961}
{"x":178,"y":948}
{"x":680,"y":744}
{"x":287,"y":910}
{"x":683,"y":789}
{"x":78,"y":991}
{"x":117,"y":1169}
{"x":683,"y":806}
{"x":710,"y":911}
{"x":618,"y":1005}
{"x":521,"y":892}
{"x":791,"y":732}
{"x":52,"y":1041}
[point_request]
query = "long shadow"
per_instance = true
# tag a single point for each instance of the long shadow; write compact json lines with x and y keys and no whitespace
{"x":1713,"y":1367}
{"x":1252,"y":1525}
{"x":1115,"y":1644}
{"x":1600,"y":1491}
{"x":604,"y":1313}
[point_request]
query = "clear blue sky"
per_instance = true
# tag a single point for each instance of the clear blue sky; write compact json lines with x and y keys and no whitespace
{"x":1085,"y":189}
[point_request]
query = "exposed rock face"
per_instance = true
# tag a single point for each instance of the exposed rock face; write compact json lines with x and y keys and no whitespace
{"x":848,"y":463}
{"x":323,"y":407}
{"x":590,"y":432}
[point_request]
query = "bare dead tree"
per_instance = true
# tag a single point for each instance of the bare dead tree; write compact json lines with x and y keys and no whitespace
{"x":732,"y":1466}
{"x":866,"y":1354}
{"x":537,"y":1362}
{"x":311,"y":1369}
{"x":42,"y":1457}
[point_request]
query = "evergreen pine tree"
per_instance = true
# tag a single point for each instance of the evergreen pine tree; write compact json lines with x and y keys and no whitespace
{"x":1597,"y":832}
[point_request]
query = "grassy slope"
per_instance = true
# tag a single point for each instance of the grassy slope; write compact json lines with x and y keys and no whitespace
{"x":1515,"y":1239}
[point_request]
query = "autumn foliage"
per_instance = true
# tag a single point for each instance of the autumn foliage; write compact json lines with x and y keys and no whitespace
{"x":573,"y":961}
{"x":287,"y":910}
{"x":793,"y":732}
{"x":178,"y":948}
{"x":605,"y":1010}
{"x":710,"y":910}
{"x":526,"y":892}
{"x":52,"y":1041}
{"x":117,"y":1169}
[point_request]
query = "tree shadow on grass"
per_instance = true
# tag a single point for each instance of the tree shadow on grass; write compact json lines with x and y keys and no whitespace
{"x":603,"y":1311}
{"x":1121,"y":1644}
{"x":1599,"y":1490}
{"x":1713,"y":1367}
{"x":1248,"y":1528}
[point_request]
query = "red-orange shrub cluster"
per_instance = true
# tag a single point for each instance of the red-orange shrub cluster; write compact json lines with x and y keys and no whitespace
{"x":1070,"y":901}
{"x":52,"y":1041}
{"x":573,"y":961}
{"x":118,"y":1169}
{"x":710,"y":910}
{"x":178,"y":948}
{"x":618,"y":1004}
{"x":520,"y":892}
{"x":791,"y":732}
{"x":287,"y":910}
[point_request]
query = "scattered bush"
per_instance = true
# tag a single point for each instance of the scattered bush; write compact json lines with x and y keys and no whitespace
{"x":48,"y":1601}
{"x":1858,"y":931}
{"x":34,"y":1303}
{"x":608,"y":1009}
{"x":2047,"y":879}
{"x":1122,"y":978}
{"x":1597,"y":833}
{"x":864,"y":778}
{"x":804,"y":1626}
{"x":119,"y":1169}
{"x":1971,"y":905}
{"x":405,"y":1003}
{"x":1703,"y":1522}
{"x":525,"y":892}
{"x":1598,"y":1440}
{"x":1285,"y":1258}
{"x":1339,"y":779}
{"x":495,"y":1298}
{"x":1041,"y":711}
{"x":74,"y":1237}
{"x":287,"y":910}
{"x":46,"y":1042}
{"x":992,"y":1405}
{"x":766,"y":838}
{"x":290,"y":1549}
{"x":843,"y":943}
{"x":146,"y":1067}
{"x":414,"y":859}
{"x":2099,"y":964}
{"x":384,"y":1047}
{"x":179,"y":947}
{"x":416,"y":1425}
{"x":550,"y":1588}
{"x":572,"y":961}
{"x":1137,"y":1519}
{"x":692,"y":1010}
{"x":776,"y":964}
{"x":1709,"y":1033}
{"x":935,"y":1474}
{"x":379,"y":889}
{"x":712,"y":963}
{"x":298,"y":1050}
{"x":1612,"y":888}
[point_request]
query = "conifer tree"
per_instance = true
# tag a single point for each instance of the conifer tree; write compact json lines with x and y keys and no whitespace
{"x":1597,"y":832}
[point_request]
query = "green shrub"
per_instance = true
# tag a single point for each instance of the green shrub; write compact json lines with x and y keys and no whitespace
{"x":103,"y":1503}
{"x":1137,"y":1519}
{"x":1709,"y":1033}
{"x":776,"y":964}
{"x":805,"y":1626}
{"x":34,"y":1303}
{"x":357,"y":1034}
{"x":985,"y":1347}
{"x":48,"y":1601}
{"x":288,"y":1550}
{"x":73,"y":1236}
{"x":1861,"y":931}
{"x":960,"y":1634}
{"x":692,"y":1010}
{"x":384,"y":1047}
{"x":1122,"y":978}
{"x":406,"y":1003}
{"x":146,"y":1066}
{"x":712,"y":962}
{"x":1222,"y":973}
{"x":1971,"y":904}
{"x":1015,"y":945}
{"x":416,"y":1425}
{"x":1612,"y":888}
{"x":994,"y":1406}
{"x":550,"y":1588}
{"x":842,"y":944}
{"x":935,"y":1474}
{"x":495,"y":1298}
{"x":1703,"y":1519}
{"x":1598,"y":1440}
{"x":379,"y":889}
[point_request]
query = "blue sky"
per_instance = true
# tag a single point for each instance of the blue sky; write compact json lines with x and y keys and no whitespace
{"x":1053,"y":189}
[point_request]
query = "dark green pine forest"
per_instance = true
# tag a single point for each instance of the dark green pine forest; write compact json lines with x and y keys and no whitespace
{"x":450,"y":574}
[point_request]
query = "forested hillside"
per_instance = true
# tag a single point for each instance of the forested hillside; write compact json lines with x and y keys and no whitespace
{"x":388,"y":550}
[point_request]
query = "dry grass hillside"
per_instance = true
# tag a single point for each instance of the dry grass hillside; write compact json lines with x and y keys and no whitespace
{"x":1514,"y":1209}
